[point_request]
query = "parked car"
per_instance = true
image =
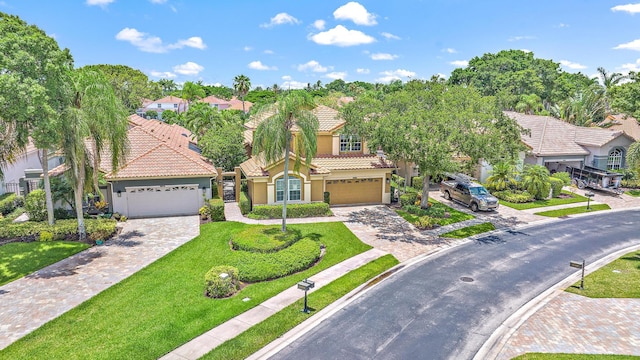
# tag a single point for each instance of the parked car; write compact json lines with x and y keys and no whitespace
{"x":471,"y":194}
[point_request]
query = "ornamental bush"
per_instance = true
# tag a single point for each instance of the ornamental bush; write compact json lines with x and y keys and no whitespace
{"x":408,"y":199}
{"x":46,"y":236}
{"x":61,"y":230}
{"x":245,"y":203}
{"x":264,"y":239}
{"x":631,"y":184}
{"x":36,"y":205}
{"x":416,"y":182}
{"x":7,"y":203}
{"x":216,"y":209}
{"x":556,"y":186}
{"x":564,"y":176}
{"x":293,"y":211}
{"x":514,"y":196}
{"x":221,"y":281}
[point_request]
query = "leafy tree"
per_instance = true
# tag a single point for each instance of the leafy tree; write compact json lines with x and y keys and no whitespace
{"x":337,"y":85}
{"x":151,"y":114}
{"x":626,"y":97}
{"x":502,"y":177}
{"x":242,"y":85}
{"x":273,"y":136}
{"x":201,"y":117}
{"x":221,"y":92}
{"x":224,"y":145}
{"x":130,"y":85}
{"x":192,"y":91}
{"x":258,"y":97}
{"x":167,"y":86}
{"x":608,"y":81}
{"x":633,"y":156}
{"x":535,"y":179}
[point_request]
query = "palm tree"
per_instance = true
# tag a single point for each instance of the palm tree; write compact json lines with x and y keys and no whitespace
{"x":502,"y":177}
{"x":609,"y":80}
{"x":633,"y":156}
{"x":167,"y":86}
{"x":242,"y":84}
{"x":274,"y":134}
{"x":535,"y":179}
{"x":97,"y":118}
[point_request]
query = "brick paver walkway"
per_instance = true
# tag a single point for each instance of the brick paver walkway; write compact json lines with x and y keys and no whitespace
{"x":28,"y":303}
{"x":576,"y":324}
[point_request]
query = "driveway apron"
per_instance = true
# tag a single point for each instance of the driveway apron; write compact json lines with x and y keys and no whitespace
{"x":30,"y":302}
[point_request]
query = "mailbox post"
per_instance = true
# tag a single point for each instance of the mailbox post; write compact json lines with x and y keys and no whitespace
{"x":589,"y":195}
{"x":305,"y":285}
{"x":579,"y":265}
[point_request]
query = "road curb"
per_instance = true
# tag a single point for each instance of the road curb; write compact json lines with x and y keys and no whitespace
{"x":499,"y":338}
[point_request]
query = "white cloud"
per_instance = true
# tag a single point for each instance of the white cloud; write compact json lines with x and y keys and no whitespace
{"x":101,"y":3}
{"x":563,"y":25}
{"x":633,"y":45}
{"x":286,"y":78}
{"x":389,"y":36}
{"x":247,"y":48}
{"x":162,"y":74}
{"x":158,"y":1}
{"x":525,"y":50}
{"x":383,"y":56}
{"x":362,"y":71}
{"x":450,"y":50}
{"x":572,"y":65}
{"x":292,"y":84}
{"x":518,"y":38}
{"x":319,"y":24}
{"x":389,"y":76}
{"x":269,"y":52}
{"x":336,"y":75}
{"x":459,"y":63}
{"x":153,"y":44}
{"x":280,"y":19}
{"x":635,"y":67}
{"x":355,"y":12}
{"x":188,"y":68}
{"x":341,"y":36}
{"x":313,"y":66}
{"x":630,"y":8}
{"x":258,"y":65}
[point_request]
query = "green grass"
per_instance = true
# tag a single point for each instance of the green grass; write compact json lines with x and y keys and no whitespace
{"x":605,"y":283}
{"x":575,"y":198}
{"x":270,"y":329}
{"x":163,"y":305}
{"x":540,"y":356}
{"x":633,"y":192}
{"x":21,"y":259}
{"x":469,"y":231}
{"x":456,"y":216}
{"x":574,"y":210}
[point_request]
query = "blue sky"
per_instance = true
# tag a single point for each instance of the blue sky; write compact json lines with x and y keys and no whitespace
{"x":292,"y":43}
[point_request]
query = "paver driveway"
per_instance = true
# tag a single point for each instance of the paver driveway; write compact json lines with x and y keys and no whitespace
{"x":28,"y":303}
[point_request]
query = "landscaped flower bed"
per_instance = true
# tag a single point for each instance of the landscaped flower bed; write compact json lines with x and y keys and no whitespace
{"x":61,"y":230}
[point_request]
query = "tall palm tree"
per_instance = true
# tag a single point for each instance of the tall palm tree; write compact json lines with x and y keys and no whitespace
{"x":242,"y":84}
{"x":609,"y":80}
{"x":273,"y":137}
{"x":95,"y":118}
{"x":167,"y":86}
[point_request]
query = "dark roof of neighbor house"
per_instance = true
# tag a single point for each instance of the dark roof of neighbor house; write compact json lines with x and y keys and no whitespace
{"x":550,"y":136}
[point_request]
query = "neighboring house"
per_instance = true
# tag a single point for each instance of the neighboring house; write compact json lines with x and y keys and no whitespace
{"x":215,"y":102}
{"x":236,"y":104}
{"x":625,"y":123}
{"x":342,"y":167}
{"x":556,"y":144}
{"x":23,"y":174}
{"x":172,"y":103}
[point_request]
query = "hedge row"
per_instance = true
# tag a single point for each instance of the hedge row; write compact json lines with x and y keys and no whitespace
{"x":254,"y":267}
{"x":264,"y":239}
{"x":216,"y":209}
{"x":514,"y":196}
{"x":10,"y":201}
{"x":245,"y":203}
{"x":61,"y":230}
{"x":632,"y":184}
{"x":293,"y":211}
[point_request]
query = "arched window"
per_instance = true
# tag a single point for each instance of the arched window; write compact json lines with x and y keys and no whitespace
{"x":295,"y":189}
{"x":614,"y":161}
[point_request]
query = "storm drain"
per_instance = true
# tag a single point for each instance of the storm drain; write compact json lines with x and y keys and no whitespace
{"x":466,"y":279}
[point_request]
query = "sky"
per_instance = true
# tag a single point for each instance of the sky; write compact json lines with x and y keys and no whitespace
{"x":292,"y":43}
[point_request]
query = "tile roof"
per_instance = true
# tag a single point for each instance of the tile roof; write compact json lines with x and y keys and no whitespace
{"x":628,"y":124}
{"x":328,"y":119}
{"x":214,"y":100}
{"x":174,"y":134}
{"x":551,"y":136}
{"x":169,"y":100}
{"x":351,"y":162}
{"x":236,"y":104}
{"x":254,"y":167}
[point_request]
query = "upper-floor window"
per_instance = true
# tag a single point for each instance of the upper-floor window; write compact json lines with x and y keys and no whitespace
{"x":159,"y":106}
{"x":295,"y":189}
{"x":175,"y":106}
{"x":614,"y":161}
{"x":350,"y":143}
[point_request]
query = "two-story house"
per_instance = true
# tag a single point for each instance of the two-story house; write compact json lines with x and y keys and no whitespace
{"x":172,"y":103}
{"x":342,"y":167}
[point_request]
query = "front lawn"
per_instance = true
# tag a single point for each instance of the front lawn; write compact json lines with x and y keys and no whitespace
{"x":163,"y":305}
{"x":541,"y":356}
{"x":286,"y":319}
{"x":572,"y":198}
{"x":455,"y":216}
{"x":633,"y":192}
{"x":20,"y":259}
{"x":618,"y":279}
{"x":574,"y":210}
{"x":469,"y":231}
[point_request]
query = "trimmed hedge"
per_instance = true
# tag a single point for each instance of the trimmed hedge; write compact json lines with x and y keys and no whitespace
{"x":216,"y":209}
{"x":293,"y":211}
{"x":408,"y":199}
{"x":631,"y":184}
{"x":7,"y":203}
{"x":61,"y":230}
{"x":218,"y":287}
{"x":36,"y":205}
{"x":254,"y":267}
{"x":564,"y":176}
{"x":556,"y":186}
{"x":264,"y":239}
{"x":514,"y":196}
{"x":245,"y":203}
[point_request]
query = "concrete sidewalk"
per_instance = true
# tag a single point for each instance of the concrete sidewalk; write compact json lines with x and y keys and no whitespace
{"x":208,"y":341}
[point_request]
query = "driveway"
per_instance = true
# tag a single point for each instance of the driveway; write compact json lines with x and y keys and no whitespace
{"x":28,"y":303}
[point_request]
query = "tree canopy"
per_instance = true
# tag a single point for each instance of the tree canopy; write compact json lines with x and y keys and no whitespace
{"x":130,"y":85}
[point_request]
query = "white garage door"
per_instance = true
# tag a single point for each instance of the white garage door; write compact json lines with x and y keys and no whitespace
{"x":169,"y":200}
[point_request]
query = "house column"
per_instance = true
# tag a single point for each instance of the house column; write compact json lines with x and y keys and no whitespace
{"x":307,"y":191}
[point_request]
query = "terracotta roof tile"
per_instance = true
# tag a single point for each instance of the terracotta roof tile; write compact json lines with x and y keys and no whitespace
{"x":361,"y":162}
{"x":214,"y":100}
{"x":628,"y":124}
{"x":328,"y":119}
{"x":236,"y":104}
{"x":169,"y":100}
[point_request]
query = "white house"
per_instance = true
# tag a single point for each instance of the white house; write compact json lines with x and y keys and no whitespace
{"x":26,"y":167}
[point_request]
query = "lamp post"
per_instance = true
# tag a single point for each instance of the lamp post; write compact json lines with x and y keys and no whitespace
{"x":589,"y":195}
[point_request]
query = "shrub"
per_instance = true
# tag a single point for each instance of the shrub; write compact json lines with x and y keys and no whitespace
{"x":426,"y":222}
{"x":7,"y":203}
{"x":61,"y":214}
{"x":46,"y":236}
{"x":556,"y":186}
{"x":397,"y":181}
{"x":514,"y":196}
{"x":214,"y":191}
{"x":264,"y":239}
{"x":327,"y":197}
{"x":293,"y":211}
{"x":564,"y":176}
{"x":415,"y":210}
{"x":204,"y":212}
{"x":253,"y":267}
{"x":416,"y":182}
{"x":61,"y":230}
{"x":245,"y":203}
{"x":19,"y":201}
{"x":216,"y":286}
{"x":122,"y":218}
{"x":216,"y":209}
{"x":632,"y":184}
{"x":36,"y":206}
{"x":408,"y":199}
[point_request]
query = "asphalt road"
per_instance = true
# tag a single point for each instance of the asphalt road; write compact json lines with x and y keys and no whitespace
{"x":429,"y":312}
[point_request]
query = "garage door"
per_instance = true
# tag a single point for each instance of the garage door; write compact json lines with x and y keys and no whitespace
{"x":355,"y":191}
{"x":169,"y":200}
